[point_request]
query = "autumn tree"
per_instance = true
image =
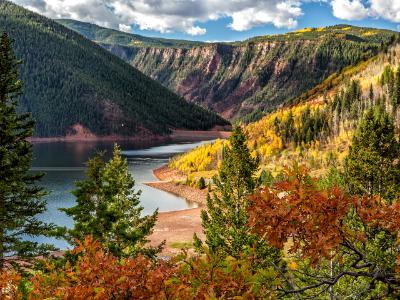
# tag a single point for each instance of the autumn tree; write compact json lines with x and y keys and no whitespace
{"x":98,"y":274}
{"x":20,"y":198}
{"x":225,"y":220}
{"x":108,"y":208}
{"x":213,"y":276}
{"x":373,"y":163}
{"x":332,"y":240}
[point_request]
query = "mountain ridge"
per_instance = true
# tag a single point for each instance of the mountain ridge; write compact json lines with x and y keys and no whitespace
{"x":244,"y":80}
{"x":69,"y":80}
{"x":105,"y":35}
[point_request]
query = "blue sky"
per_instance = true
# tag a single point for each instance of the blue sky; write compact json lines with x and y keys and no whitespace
{"x":220,"y":20}
{"x":315,"y":14}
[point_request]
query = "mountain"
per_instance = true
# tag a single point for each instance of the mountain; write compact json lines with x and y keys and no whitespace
{"x":104,"y":35}
{"x":71,"y":83}
{"x":317,"y":128}
{"x":247,"y":79}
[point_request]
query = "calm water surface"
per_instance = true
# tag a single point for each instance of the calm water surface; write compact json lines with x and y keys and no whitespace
{"x":64,"y":164}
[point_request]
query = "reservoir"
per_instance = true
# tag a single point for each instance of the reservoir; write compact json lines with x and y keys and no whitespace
{"x":64,"y":163}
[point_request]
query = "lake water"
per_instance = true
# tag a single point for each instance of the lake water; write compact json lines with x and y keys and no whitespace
{"x":64,"y":164}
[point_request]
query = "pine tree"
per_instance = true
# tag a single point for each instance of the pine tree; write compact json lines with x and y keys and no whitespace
{"x":373,"y":163}
{"x":108,"y":209}
{"x":396,"y":92}
{"x":20,"y":199}
{"x":225,"y":220}
{"x":201,"y":184}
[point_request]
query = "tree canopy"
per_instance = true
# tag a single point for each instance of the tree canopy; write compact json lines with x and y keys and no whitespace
{"x":20,"y":197}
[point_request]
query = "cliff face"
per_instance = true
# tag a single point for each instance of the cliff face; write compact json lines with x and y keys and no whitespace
{"x":245,"y":79}
{"x":236,"y":80}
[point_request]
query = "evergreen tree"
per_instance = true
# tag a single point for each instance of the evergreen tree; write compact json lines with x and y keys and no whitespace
{"x":371,"y":95}
{"x":373,"y":163}
{"x":20,"y":199}
{"x":396,"y":92}
{"x":201,"y":184}
{"x":108,"y":208}
{"x":225,"y":220}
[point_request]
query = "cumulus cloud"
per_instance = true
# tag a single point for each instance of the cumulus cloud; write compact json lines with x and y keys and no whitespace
{"x":280,"y":14}
{"x":189,"y":15}
{"x":357,"y":10}
{"x":349,"y":9}
{"x":172,"y":15}
{"x":196,"y":30}
{"x":387,"y":9}
{"x":125,"y":28}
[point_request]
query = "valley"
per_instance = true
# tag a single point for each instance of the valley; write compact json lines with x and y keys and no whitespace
{"x":136,"y":166}
{"x":245,"y":80}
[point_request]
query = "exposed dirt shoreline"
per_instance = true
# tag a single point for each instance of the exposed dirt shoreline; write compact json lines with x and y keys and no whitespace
{"x":177,"y":227}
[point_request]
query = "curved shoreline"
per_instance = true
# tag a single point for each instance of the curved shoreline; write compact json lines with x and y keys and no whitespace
{"x":166,"y":182}
{"x":177,"y":227}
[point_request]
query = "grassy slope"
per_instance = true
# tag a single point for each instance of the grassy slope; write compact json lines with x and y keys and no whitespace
{"x":69,"y":79}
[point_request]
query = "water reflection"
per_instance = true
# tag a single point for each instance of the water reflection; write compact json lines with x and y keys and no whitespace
{"x":64,"y":164}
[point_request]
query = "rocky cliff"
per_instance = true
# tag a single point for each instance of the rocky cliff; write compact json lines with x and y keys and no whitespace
{"x":247,"y":79}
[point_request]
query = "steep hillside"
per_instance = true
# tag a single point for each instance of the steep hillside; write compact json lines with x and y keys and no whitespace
{"x":318,"y":129}
{"x":71,"y":84}
{"x":114,"y":37}
{"x":247,"y":79}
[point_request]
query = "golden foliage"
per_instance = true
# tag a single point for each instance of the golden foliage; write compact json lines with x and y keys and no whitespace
{"x":202,"y":158}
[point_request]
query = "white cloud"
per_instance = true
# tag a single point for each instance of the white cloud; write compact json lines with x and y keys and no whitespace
{"x":280,"y":14}
{"x":349,"y":9}
{"x":188,"y":15}
{"x":386,"y":9}
{"x":172,"y":15}
{"x":196,"y":30}
{"x":125,"y":28}
{"x":357,"y":10}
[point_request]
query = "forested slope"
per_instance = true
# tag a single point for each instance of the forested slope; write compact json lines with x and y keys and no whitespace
{"x":317,"y":128}
{"x":247,"y":79}
{"x":69,"y":80}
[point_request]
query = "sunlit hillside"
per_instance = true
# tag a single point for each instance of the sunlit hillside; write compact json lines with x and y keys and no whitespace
{"x":318,"y":128}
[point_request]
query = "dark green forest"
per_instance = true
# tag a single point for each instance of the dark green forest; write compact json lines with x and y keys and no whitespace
{"x":69,"y":79}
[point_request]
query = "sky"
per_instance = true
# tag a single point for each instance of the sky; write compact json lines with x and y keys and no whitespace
{"x":220,"y":20}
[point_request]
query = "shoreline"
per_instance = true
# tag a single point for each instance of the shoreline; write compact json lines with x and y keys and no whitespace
{"x":177,"y":227}
{"x":175,"y":136}
{"x":166,"y":178}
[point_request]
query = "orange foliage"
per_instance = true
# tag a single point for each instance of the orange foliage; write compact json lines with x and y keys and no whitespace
{"x":99,"y":275}
{"x":377,"y":213}
{"x":212,"y":277}
{"x":295,"y":209}
{"x":9,"y":282}
{"x":296,"y":213}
